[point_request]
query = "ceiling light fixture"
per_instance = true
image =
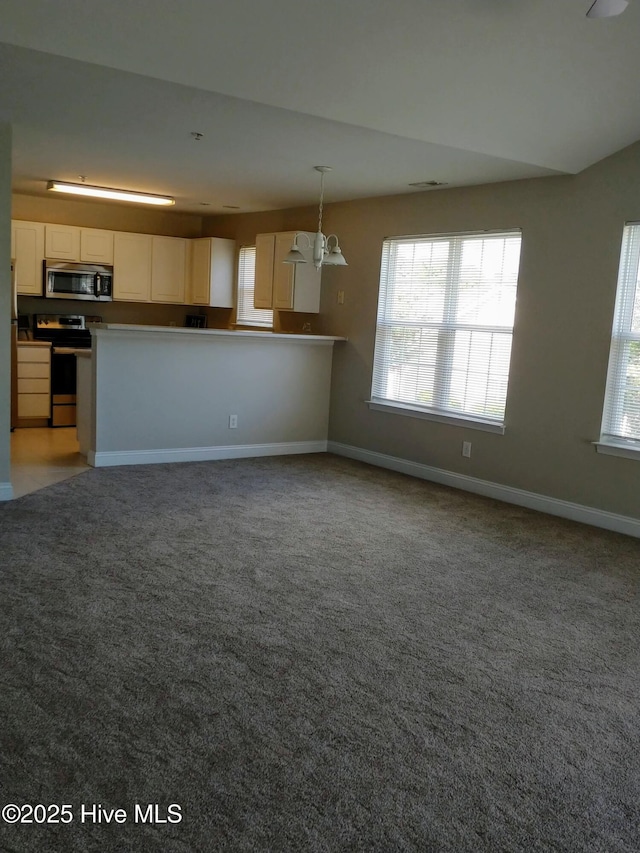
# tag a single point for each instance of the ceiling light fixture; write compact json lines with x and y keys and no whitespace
{"x":324,"y":254}
{"x":106,"y":192}
{"x":607,"y":8}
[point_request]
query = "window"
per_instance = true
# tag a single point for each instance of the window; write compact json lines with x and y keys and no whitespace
{"x":445,"y":324}
{"x":621,"y":417}
{"x":247,"y":315}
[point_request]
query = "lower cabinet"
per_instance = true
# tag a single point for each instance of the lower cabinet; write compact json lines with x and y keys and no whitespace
{"x":34,"y":382}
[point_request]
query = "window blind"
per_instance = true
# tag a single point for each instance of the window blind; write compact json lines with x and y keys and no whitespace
{"x":621,"y":417}
{"x":445,"y":323}
{"x":246,"y":314}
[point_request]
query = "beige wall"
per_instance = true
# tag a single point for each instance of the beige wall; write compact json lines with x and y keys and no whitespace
{"x":571,"y":229}
{"x":5,"y":306}
{"x":98,"y":214}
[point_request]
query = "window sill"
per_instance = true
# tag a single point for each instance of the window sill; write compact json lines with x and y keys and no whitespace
{"x":609,"y":448}
{"x":453,"y":420}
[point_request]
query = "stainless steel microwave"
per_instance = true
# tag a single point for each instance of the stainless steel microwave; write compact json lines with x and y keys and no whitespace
{"x":78,"y":281}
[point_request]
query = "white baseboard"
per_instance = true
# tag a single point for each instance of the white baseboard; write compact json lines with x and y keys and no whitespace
{"x":531,"y":500}
{"x":6,"y":492}
{"x":201,"y":454}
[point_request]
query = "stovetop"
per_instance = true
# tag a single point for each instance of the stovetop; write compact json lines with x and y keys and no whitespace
{"x":65,"y":330}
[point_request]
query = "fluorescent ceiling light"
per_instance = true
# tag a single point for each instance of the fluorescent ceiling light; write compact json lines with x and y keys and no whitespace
{"x":105,"y":192}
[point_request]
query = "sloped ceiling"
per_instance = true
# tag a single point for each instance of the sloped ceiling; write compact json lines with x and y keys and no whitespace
{"x":460,"y":91}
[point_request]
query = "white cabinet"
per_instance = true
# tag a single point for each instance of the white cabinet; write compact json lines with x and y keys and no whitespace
{"x":34,"y":381}
{"x":132,"y":267}
{"x":285,"y":287}
{"x":62,"y":242}
{"x":168,"y":269}
{"x":71,"y":243}
{"x":27,"y":250}
{"x":212,"y":272}
{"x":96,"y":246}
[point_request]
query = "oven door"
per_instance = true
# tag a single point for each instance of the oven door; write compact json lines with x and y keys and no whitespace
{"x":63,"y":387}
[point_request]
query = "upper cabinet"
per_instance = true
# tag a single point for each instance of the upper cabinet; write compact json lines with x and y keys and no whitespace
{"x":146,"y":267}
{"x":27,"y":250}
{"x":62,"y":242}
{"x":285,"y":287}
{"x":168,"y":269}
{"x":87,"y":245}
{"x":211,"y":272}
{"x":96,"y":246}
{"x":132,"y":267}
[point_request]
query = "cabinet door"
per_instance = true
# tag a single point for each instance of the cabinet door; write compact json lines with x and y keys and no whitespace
{"x":199,"y":272}
{"x":132,"y":267}
{"x":263,"y":287}
{"x":306,"y":285}
{"x":96,"y":246}
{"x":34,"y":378}
{"x":283,"y":274}
{"x":27,"y":250}
{"x":62,"y":242}
{"x":222,"y":272}
{"x":168,"y":269}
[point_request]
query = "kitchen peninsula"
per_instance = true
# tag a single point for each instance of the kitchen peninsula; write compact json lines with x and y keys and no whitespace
{"x":151,"y":394}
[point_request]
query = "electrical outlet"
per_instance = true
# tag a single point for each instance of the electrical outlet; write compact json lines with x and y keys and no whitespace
{"x":466,"y":449}
{"x":233,"y":421}
{"x":341,"y":297}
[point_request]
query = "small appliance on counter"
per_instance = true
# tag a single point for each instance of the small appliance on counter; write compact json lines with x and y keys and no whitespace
{"x":67,"y":334}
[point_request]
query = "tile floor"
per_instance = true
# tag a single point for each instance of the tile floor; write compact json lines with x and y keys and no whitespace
{"x":42,"y":456}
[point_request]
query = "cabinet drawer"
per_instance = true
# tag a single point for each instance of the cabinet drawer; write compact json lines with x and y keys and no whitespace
{"x":33,"y":354}
{"x":34,"y":406}
{"x":33,"y":386}
{"x":33,"y":370}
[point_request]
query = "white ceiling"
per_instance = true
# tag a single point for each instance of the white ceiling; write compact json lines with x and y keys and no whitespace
{"x":461,"y":91}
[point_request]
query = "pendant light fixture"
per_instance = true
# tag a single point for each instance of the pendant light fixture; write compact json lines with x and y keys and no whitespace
{"x":325,"y":252}
{"x":105,"y":192}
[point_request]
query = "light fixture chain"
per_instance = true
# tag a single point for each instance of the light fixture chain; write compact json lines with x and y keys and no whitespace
{"x":321,"y":202}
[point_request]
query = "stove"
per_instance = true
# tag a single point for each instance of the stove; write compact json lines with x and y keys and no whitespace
{"x":63,"y":330}
{"x":67,"y":333}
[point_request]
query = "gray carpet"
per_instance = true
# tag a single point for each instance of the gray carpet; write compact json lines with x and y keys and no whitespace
{"x":309,"y":654}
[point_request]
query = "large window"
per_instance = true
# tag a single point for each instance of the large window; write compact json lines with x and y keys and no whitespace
{"x":621,"y":420}
{"x":247,"y":315}
{"x":445,"y":323}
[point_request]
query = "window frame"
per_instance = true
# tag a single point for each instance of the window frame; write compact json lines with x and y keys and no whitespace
{"x":443,"y":366}
{"x":627,"y":290}
{"x":248,"y":317}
